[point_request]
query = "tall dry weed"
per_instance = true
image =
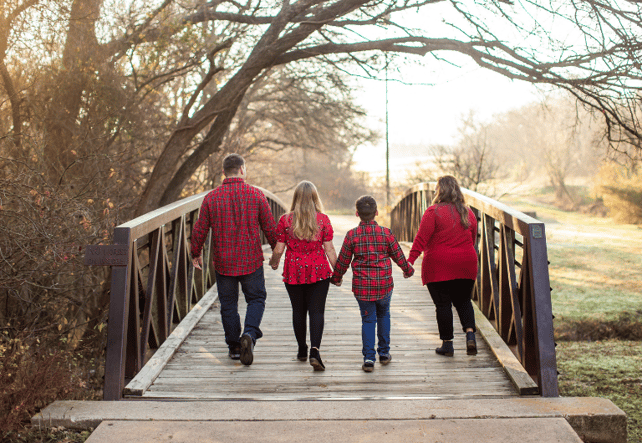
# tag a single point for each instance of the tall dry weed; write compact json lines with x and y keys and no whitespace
{"x":30,"y":378}
{"x":620,"y":186}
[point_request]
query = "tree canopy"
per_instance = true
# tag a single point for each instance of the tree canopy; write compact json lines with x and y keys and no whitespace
{"x":114,"y":55}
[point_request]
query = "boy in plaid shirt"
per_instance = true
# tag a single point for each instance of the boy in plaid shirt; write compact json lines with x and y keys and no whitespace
{"x":372,"y":246}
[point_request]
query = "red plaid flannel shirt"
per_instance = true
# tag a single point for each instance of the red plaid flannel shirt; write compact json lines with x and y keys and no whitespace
{"x":236,"y":212}
{"x":372,"y":247}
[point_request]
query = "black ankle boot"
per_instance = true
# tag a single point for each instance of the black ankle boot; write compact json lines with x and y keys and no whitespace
{"x":315,"y":360}
{"x":302,"y":355}
{"x":471,"y":344}
{"x":446,"y":348}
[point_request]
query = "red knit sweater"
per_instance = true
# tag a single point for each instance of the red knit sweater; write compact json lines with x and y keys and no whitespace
{"x":448,"y":247}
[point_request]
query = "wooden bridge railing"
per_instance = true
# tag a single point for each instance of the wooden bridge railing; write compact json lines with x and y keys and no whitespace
{"x":153,"y":284}
{"x":513,"y":288}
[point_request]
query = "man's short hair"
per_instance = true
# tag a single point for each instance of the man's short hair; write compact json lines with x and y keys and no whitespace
{"x":232,"y":164}
{"x":366,"y":207}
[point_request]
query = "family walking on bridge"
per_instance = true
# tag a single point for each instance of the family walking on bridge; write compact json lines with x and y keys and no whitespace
{"x":237,"y":213}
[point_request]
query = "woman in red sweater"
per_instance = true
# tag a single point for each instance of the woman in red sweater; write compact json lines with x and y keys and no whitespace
{"x":307,"y":233}
{"x":447,"y":236}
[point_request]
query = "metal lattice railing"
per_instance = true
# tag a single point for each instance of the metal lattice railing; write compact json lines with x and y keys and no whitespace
{"x":513,"y":287}
{"x":153,"y":283}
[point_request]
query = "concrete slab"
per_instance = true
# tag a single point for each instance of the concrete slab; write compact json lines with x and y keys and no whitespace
{"x":531,"y":430}
{"x":595,"y":419}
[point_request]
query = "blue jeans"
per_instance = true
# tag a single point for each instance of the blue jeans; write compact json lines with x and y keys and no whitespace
{"x":375,"y":314}
{"x":253,"y":286}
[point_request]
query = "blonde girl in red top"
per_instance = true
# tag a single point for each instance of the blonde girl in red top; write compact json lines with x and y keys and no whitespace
{"x":307,"y":233}
{"x":447,"y":236}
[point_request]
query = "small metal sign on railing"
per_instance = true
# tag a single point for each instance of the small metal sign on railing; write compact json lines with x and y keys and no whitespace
{"x":106,"y":255}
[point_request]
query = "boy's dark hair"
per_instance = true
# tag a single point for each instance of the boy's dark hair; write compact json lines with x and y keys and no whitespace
{"x":366,"y":207}
{"x":232,"y":164}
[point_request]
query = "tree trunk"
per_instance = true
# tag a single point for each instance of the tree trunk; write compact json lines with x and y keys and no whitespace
{"x":80,"y":58}
{"x":14,"y":98}
{"x":167,"y":180}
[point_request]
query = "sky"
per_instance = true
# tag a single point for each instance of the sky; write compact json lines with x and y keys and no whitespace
{"x":429,"y":111}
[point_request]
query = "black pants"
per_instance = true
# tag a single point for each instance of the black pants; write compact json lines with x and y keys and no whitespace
{"x":308,"y":298}
{"x":445,"y":295}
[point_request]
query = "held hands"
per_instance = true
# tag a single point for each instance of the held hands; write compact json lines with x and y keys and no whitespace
{"x":274,"y":262}
{"x":410,"y":273}
{"x":337,"y":283}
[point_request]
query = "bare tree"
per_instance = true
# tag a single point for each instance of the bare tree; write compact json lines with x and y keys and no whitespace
{"x":554,"y":138}
{"x":589,"y":48}
{"x":472,"y":160}
{"x":594,"y":72}
{"x":293,"y":125}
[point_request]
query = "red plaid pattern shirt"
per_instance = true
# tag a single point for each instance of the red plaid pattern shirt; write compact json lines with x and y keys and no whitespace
{"x":237,"y":213}
{"x":372,"y":246}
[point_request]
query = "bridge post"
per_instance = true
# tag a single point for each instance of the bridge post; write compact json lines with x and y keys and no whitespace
{"x":117,"y":324}
{"x":541,"y":290}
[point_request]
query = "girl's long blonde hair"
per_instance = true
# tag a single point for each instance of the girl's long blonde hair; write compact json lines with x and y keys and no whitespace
{"x":448,"y":191}
{"x":305,"y":205}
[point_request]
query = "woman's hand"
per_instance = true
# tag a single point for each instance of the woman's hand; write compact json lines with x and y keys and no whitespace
{"x":330,"y":252}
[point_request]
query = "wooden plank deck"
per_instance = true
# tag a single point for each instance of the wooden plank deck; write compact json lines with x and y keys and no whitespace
{"x":201,"y":369}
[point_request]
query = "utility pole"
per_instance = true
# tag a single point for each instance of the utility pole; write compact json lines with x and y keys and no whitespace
{"x":387,"y":142}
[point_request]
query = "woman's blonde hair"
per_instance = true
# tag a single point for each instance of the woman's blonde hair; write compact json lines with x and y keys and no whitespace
{"x":448,"y":191}
{"x":305,"y":205}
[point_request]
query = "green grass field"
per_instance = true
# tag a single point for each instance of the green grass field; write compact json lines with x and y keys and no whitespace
{"x":596,"y":276}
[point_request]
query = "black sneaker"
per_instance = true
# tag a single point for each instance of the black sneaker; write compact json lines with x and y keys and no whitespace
{"x":471,"y":344}
{"x":235,"y":352}
{"x":368,"y":366}
{"x":247,"y":348}
{"x":385,"y":359}
{"x":446,"y":348}
{"x":315,"y":360}
{"x":302,"y":355}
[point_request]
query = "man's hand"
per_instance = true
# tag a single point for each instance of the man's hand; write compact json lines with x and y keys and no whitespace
{"x":338,"y":283}
{"x":198,"y":262}
{"x":410,"y":273}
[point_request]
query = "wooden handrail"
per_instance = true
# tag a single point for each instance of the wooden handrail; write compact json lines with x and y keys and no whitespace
{"x":156,"y":286}
{"x":512,"y":288}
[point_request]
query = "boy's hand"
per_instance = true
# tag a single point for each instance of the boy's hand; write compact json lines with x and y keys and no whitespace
{"x":337,"y":283}
{"x":410,"y":273}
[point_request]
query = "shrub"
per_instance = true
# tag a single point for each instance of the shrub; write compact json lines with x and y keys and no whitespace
{"x":30,"y":378}
{"x":621,"y":189}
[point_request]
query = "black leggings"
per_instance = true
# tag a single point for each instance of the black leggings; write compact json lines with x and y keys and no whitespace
{"x":308,"y":298}
{"x":446,"y":294}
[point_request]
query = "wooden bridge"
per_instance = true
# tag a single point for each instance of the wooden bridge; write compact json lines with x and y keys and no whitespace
{"x":199,"y":367}
{"x":159,"y":347}
{"x":166,"y":350}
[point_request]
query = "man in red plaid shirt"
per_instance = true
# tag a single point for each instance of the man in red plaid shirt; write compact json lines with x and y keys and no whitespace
{"x":372,"y":246}
{"x":237,"y":213}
